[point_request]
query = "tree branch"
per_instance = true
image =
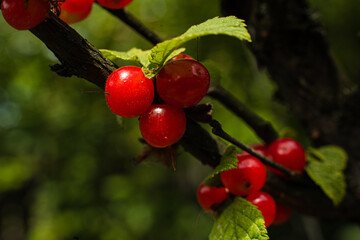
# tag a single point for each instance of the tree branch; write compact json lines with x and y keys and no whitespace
{"x":262,"y":127}
{"x":135,"y":24}
{"x":200,"y":144}
{"x":77,"y":56}
{"x":217,"y":130}
{"x":311,"y":200}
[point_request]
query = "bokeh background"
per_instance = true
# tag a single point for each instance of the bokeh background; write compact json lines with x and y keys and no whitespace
{"x":66,"y":161}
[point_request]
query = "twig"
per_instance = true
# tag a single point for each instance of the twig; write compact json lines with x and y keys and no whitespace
{"x":135,"y":24}
{"x":75,"y":53}
{"x":263,"y":128}
{"x":201,"y":144}
{"x":217,"y":130}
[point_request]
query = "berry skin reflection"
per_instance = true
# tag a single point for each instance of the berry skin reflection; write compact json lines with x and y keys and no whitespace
{"x":183,"y":83}
{"x":265,"y":204}
{"x":73,"y":11}
{"x":128,"y":92}
{"x":162,"y":125}
{"x":247,"y":178}
{"x":289,"y":153}
{"x":209,"y":197}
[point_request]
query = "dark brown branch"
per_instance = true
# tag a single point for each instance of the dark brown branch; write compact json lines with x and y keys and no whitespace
{"x":217,"y":130}
{"x":262,"y":127}
{"x":75,"y":53}
{"x":299,"y":192}
{"x":311,"y":200}
{"x":135,"y":24}
{"x":200,"y":144}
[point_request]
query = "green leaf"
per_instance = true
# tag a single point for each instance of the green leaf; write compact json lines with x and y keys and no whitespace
{"x":240,"y":220}
{"x":228,"y":161}
{"x":335,"y":156}
{"x":325,"y":167}
{"x":152,"y":60}
{"x":136,"y":55}
{"x":230,"y":26}
{"x":174,"y":54}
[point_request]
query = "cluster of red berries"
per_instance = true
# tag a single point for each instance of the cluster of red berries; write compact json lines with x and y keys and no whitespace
{"x":250,"y":176}
{"x":26,"y":14}
{"x":181,"y":83}
{"x":73,"y":11}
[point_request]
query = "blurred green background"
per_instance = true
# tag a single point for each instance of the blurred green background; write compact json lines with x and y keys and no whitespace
{"x":66,"y":164}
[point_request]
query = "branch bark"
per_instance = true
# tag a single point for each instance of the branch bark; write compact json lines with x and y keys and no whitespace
{"x":135,"y":24}
{"x":77,"y":56}
{"x":263,"y":128}
{"x":218,"y":131}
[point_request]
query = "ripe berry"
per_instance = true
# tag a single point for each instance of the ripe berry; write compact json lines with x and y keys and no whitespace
{"x":77,"y":6}
{"x":182,"y":83}
{"x":22,"y":14}
{"x":265,"y":204}
{"x":181,"y":56}
{"x":71,"y":18}
{"x":288,"y":153}
{"x":115,"y":4}
{"x":128,"y":92}
{"x":282,"y":214}
{"x":162,"y":125}
{"x":208,"y":197}
{"x":248,"y":177}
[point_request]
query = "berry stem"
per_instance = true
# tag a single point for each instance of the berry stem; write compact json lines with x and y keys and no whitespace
{"x":263,"y":128}
{"x":134,"y":23}
{"x":217,"y":130}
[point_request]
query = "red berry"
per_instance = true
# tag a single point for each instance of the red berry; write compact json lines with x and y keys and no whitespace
{"x":265,"y":204}
{"x":248,"y":177}
{"x":71,"y":18}
{"x":162,"y":125}
{"x":288,"y":153}
{"x":115,"y":4}
{"x":260,"y":148}
{"x":77,"y":6}
{"x":128,"y":92}
{"x":209,"y":197}
{"x":181,"y":56}
{"x":183,"y":83}
{"x":282,"y":214}
{"x":22,"y":14}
